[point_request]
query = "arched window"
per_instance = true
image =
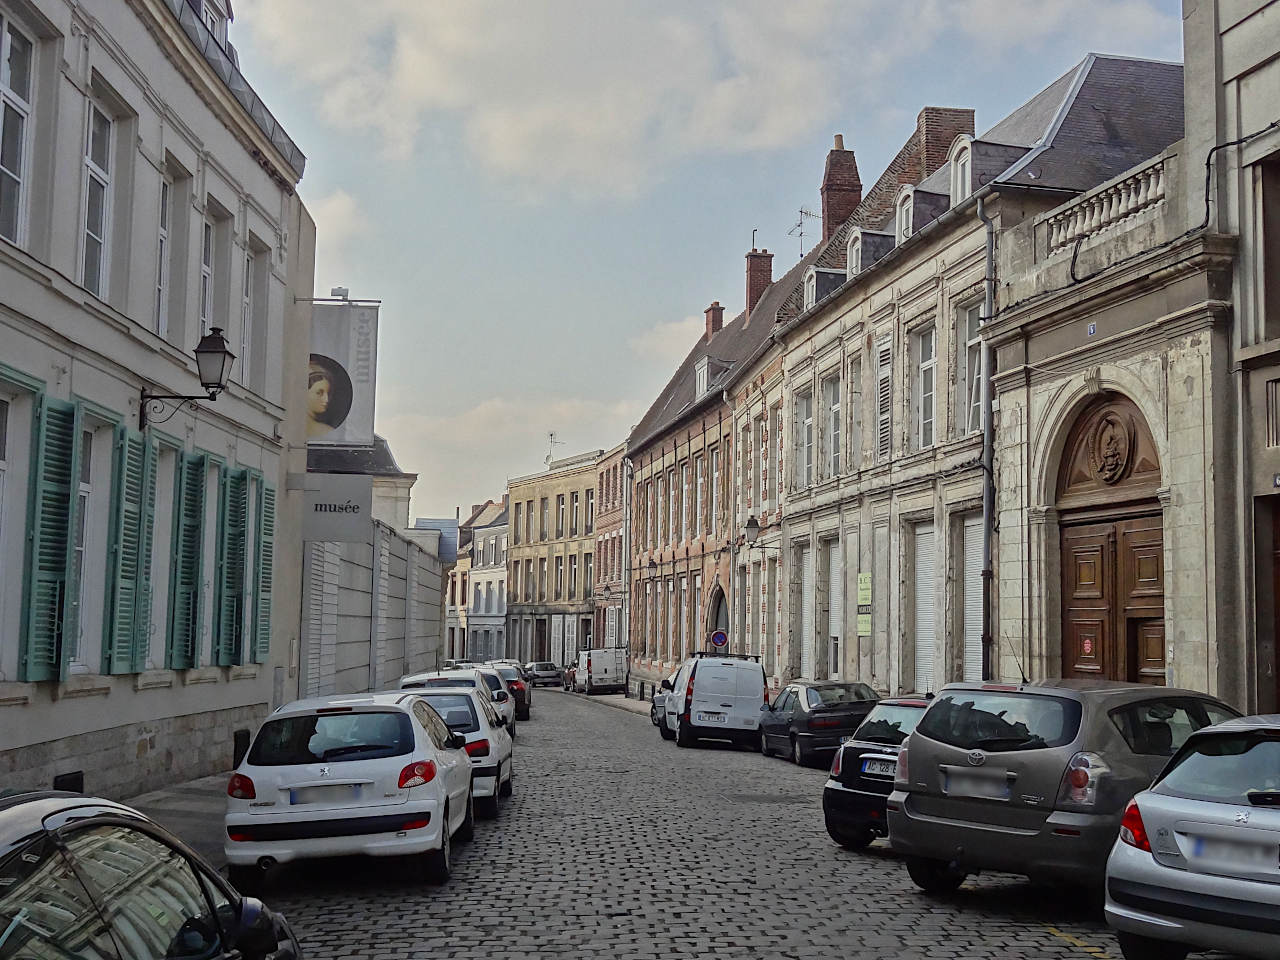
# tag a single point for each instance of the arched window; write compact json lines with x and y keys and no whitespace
{"x":905,"y":201}
{"x":853,"y":255}
{"x":961,"y":185}
{"x":810,"y":288}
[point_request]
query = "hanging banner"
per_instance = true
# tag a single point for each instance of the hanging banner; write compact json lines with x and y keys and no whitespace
{"x":343,"y":371}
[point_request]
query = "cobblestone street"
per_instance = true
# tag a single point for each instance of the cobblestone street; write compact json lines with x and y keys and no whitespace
{"x":618,"y":844}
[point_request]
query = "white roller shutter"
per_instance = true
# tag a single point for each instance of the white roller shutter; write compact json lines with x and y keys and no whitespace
{"x":973,"y":598}
{"x":835,"y":607}
{"x":926,"y":631}
{"x":806,"y":613}
{"x":557,"y":641}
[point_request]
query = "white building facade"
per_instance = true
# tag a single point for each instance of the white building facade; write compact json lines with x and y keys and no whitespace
{"x":486,"y":616}
{"x":146,"y":198}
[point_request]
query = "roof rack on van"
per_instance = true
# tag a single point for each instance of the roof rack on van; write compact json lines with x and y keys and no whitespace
{"x":726,"y":656}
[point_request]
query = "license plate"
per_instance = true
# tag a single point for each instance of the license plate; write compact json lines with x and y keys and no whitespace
{"x":712,"y":718}
{"x":336,"y":793}
{"x":881,"y":768}
{"x":989,"y":788}
{"x":1235,"y":852}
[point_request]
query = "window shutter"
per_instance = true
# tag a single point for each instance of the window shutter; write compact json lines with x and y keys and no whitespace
{"x":146,"y":588}
{"x":229,"y":605}
{"x":185,"y":590}
{"x":124,"y":551}
{"x":265,"y":573}
{"x":884,"y":399}
{"x":51,"y":611}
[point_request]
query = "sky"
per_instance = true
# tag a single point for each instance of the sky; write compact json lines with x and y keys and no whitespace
{"x":546,"y":194}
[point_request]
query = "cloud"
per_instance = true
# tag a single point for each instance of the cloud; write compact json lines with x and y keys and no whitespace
{"x":665,"y":345}
{"x":339,"y":223}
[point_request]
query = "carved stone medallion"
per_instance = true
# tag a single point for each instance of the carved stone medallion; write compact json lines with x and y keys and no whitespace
{"x":1110,"y":445}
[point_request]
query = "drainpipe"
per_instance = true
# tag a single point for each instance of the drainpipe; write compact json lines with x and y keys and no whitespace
{"x":628,"y":478}
{"x":988,"y":447}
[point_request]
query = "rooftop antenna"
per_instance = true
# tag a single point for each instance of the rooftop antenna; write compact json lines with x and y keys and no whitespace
{"x":552,"y":443}
{"x":797,"y":229}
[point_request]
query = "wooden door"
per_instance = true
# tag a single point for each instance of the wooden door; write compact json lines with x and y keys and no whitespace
{"x":1140,"y":545}
{"x":1088,"y":599}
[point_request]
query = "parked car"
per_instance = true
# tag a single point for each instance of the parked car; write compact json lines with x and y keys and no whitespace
{"x":457,"y":665}
{"x":1195,"y":865}
{"x":520,"y":691}
{"x":468,"y":711}
{"x":853,"y":801}
{"x":485,"y":677}
{"x":375,"y":773}
{"x":545,"y":673}
{"x":138,"y":884}
{"x":504,"y":700}
{"x":1032,"y":778}
{"x":601,"y":669}
{"x":716,"y":696}
{"x":809,"y":717}
{"x":658,"y":707}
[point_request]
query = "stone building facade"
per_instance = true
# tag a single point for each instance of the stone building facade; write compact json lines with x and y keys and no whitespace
{"x":550,"y":560}
{"x":149,"y":596}
{"x":487,"y":598}
{"x":612,"y":559}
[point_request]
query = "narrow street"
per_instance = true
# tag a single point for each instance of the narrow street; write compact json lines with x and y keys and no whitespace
{"x":619,"y":844}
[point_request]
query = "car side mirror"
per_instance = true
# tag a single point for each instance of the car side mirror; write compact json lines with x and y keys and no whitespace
{"x":501,"y":696}
{"x":455,"y":741}
{"x":255,"y":933}
{"x":765,"y":706}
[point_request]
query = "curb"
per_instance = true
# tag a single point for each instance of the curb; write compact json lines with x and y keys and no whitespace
{"x":615,"y":705}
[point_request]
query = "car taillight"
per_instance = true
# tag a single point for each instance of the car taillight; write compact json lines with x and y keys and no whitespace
{"x":241,"y":787}
{"x":518,"y":686}
{"x":688,"y":696}
{"x":823,"y":723}
{"x":416,"y":774}
{"x":835,"y":762}
{"x":766,"y":694}
{"x":478,"y":748}
{"x":1080,"y":781}
{"x":900,"y":774}
{"x":1132,"y":830}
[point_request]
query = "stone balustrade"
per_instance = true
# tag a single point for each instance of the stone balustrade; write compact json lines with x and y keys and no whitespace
{"x":1105,"y":208}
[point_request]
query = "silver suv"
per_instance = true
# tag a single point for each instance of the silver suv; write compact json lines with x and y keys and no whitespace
{"x":1033,"y":778}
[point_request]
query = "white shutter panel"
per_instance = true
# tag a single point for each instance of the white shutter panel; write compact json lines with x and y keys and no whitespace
{"x":835,"y":593}
{"x":557,"y":641}
{"x":973,"y":598}
{"x":926,"y":634}
{"x":884,"y":399}
{"x":806,"y":613}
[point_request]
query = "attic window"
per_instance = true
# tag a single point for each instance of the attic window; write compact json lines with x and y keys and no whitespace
{"x":903,"y":219}
{"x":215,"y":19}
{"x":961,"y":174}
{"x":700,"y":374}
{"x":810,"y":288}
{"x":853,"y":256}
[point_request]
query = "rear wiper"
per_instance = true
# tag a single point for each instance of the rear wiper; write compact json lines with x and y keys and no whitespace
{"x":1016,"y":741}
{"x":1264,"y":798}
{"x":336,"y":751}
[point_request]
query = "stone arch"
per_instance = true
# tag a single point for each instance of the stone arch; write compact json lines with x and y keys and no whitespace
{"x":717,"y":614}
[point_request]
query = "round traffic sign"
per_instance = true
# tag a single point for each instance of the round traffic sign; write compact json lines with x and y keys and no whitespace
{"x":719,"y":638}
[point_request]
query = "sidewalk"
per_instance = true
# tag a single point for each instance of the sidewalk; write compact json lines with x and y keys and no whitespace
{"x":617,"y":701}
{"x":191,"y":811}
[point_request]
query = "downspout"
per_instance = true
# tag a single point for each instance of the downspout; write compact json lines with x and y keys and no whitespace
{"x":628,"y":475}
{"x":988,"y":444}
{"x":732,"y":513}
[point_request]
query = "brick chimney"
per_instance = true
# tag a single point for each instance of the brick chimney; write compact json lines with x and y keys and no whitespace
{"x":715,"y":319}
{"x":841,"y":188}
{"x":759,"y":276}
{"x":938,"y":128}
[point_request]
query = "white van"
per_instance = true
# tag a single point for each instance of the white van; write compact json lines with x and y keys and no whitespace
{"x":716,"y":696}
{"x":601,"y":669}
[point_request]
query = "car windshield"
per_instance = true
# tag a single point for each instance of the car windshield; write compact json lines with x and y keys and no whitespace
{"x":493,"y":680}
{"x":889,"y":723}
{"x":315,"y":738}
{"x":830,"y":695}
{"x":995,"y":721}
{"x":508,"y":673}
{"x":1237,"y":767}
{"x":456,"y":710}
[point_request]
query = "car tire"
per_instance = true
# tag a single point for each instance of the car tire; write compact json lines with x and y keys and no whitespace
{"x":1136,"y":947}
{"x":467,"y":829}
{"x":489,"y":807}
{"x":437,"y":864}
{"x":653,"y":714}
{"x":684,"y":738}
{"x":249,"y":879}
{"x":799,"y":755}
{"x":665,"y":730}
{"x":934,"y":876}
{"x":765,"y":749}
{"x":507,"y":786}
{"x":855,"y":840}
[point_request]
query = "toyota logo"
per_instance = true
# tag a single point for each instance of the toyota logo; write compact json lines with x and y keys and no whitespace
{"x":976,"y":758}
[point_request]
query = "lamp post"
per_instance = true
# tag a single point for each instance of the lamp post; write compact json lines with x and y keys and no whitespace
{"x":213,"y":366}
{"x":751,"y":533}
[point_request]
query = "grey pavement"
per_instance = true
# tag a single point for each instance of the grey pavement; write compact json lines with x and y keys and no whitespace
{"x":617,"y":701}
{"x":192,"y":811}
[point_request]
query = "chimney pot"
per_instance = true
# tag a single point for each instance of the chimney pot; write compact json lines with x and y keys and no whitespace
{"x":839,"y":141}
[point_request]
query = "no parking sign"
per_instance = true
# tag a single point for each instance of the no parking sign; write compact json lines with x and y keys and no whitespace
{"x":719,"y":639}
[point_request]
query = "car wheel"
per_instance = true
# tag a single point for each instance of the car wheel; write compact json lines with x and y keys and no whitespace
{"x":684,"y":738}
{"x":665,"y":730}
{"x":855,"y":840}
{"x":247,"y":878}
{"x":507,"y":785}
{"x":765,"y":751}
{"x":1135,"y":947}
{"x":934,"y":876}
{"x":467,"y":829}
{"x":436,"y":864}
{"x":799,"y":755}
{"x":489,"y":806}
{"x":653,"y":714}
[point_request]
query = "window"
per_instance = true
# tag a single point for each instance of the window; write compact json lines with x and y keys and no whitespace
{"x":573,"y":577}
{"x":477,"y":605}
{"x":927,"y":365}
{"x":903,"y":222}
{"x":559,"y":515}
{"x":83,"y":518}
{"x":775,"y":475}
{"x":855,"y":413}
{"x":671,"y":618}
{"x":700,"y":478}
{"x":559,"y":589}
{"x":684,"y":617}
{"x":544,"y":518}
{"x":215,"y":20}
{"x":574,"y":514}
{"x":246,"y":316}
{"x":853,"y":255}
{"x":969,"y":376}
{"x":586,"y":577}
{"x":700,"y":376}
{"x":162,"y":256}
{"x":528,"y":580}
{"x":673,"y":506}
{"x":515,"y":530}
{"x":831,"y":425}
{"x":961,"y":185}
{"x":684,"y":501}
{"x":590,"y":523}
{"x":661,"y":510}
{"x":16,"y":63}
{"x":528,"y":521}
{"x":1236,"y":767}
{"x":96,"y":215}
{"x":758,"y":455}
{"x":542,"y":578}
{"x":651,"y":515}
{"x":804,"y":440}
{"x":1159,"y":728}
{"x":999,"y":722}
{"x":884,"y":399}
{"x":810,"y":288}
{"x":715,"y":491}
{"x":206,"y":277}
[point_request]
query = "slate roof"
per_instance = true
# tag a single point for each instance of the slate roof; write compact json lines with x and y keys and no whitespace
{"x":448,"y":527}
{"x":374,"y":461}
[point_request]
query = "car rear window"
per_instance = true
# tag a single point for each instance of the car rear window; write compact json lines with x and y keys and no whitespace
{"x":889,"y":723}
{"x":315,"y":738}
{"x":830,"y":696}
{"x":1159,"y":727}
{"x":450,"y":682}
{"x":494,"y":681}
{"x":1236,"y":767}
{"x":508,"y":673}
{"x":546,"y":666}
{"x":456,"y":710}
{"x":997,"y":721}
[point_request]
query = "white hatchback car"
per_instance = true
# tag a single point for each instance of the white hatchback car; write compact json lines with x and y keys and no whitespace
{"x":468,"y":711}
{"x":484,"y":678}
{"x":376,"y":773}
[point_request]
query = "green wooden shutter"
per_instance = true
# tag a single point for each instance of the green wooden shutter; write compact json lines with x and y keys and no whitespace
{"x":233,"y":514}
{"x":265,"y":572}
{"x":146,"y":587}
{"x":51,"y":611}
{"x":124,"y":552}
{"x":187,"y":566}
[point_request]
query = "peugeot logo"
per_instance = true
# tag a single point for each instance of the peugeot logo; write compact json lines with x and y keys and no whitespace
{"x":324,"y":771}
{"x":1242,"y":816}
{"x":976,"y":758}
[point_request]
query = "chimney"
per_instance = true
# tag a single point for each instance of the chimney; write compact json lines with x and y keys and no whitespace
{"x":938,"y":128}
{"x":841,"y":188}
{"x":759,"y":276}
{"x":715,"y":319}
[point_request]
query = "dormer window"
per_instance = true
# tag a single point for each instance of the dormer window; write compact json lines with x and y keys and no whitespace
{"x":700,"y":376}
{"x":961,"y":169}
{"x":853,"y":255}
{"x":810,"y":288}
{"x":215,"y":19}
{"x":905,"y":202}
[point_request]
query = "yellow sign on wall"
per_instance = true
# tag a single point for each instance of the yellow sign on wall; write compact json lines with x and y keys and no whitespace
{"x":864,"y":604}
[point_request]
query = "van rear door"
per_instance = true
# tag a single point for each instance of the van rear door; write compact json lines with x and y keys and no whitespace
{"x":749,"y":696}
{"x":715,"y":693}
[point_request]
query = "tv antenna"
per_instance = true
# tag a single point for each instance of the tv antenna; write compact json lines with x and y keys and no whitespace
{"x":797,"y":229}
{"x":552,"y":443}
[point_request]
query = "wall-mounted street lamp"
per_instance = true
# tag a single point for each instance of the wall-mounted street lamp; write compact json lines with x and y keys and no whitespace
{"x":751,"y":533}
{"x":213,"y":366}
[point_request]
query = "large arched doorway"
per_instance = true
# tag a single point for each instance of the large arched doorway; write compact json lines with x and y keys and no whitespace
{"x":1111,"y":530}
